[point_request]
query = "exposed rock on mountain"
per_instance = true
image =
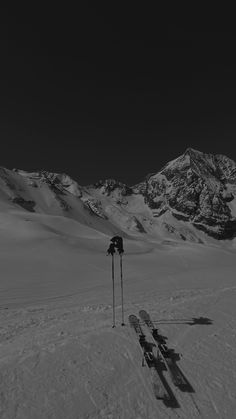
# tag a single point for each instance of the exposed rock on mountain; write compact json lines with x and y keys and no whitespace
{"x":198,"y":188}
{"x":192,"y":198}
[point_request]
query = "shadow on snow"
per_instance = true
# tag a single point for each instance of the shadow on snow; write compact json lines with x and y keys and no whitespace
{"x":166,"y":358}
{"x":191,"y":322}
{"x":157,"y":364}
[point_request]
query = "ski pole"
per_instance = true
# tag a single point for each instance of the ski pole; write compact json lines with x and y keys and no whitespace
{"x":122,"y":291}
{"x":113,"y":291}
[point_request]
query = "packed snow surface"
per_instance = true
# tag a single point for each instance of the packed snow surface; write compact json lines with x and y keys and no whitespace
{"x":60,"y":357}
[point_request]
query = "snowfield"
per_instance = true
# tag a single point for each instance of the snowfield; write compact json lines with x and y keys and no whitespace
{"x":60,"y":357}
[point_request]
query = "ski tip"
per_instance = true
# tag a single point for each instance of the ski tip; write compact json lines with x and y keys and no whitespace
{"x":133,"y":320}
{"x":144,"y":313}
{"x":132,"y":317}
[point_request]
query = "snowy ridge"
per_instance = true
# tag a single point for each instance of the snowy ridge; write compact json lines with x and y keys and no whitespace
{"x":192,"y":198}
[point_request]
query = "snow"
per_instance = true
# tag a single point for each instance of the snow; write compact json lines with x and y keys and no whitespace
{"x":60,"y":357}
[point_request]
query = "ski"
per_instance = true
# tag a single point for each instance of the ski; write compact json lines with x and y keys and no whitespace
{"x":165,"y":353}
{"x":149,"y":358}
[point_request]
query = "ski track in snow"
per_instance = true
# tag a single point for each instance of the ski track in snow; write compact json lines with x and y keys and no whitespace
{"x":60,"y":358}
{"x":42,"y":323}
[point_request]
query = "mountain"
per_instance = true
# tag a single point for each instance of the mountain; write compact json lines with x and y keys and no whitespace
{"x":196,"y":188}
{"x":192,"y":198}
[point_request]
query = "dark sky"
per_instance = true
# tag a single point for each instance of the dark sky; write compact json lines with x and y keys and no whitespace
{"x":109,"y":92}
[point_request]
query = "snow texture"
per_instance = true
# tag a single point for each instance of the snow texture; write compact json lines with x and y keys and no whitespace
{"x":60,"y":357}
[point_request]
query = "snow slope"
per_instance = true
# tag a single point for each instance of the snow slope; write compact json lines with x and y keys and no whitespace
{"x":59,"y":356}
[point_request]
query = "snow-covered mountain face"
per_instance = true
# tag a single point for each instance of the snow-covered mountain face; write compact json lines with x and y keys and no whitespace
{"x":196,"y":188}
{"x":192,"y":198}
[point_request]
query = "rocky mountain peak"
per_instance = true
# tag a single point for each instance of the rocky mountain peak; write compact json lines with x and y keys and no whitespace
{"x":192,"y":152}
{"x":108,"y":186}
{"x":197,"y":188}
{"x":208,"y":167}
{"x":196,"y":191}
{"x":61,"y":181}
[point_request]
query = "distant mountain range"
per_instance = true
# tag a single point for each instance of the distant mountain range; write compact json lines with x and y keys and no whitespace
{"x":192,"y":198}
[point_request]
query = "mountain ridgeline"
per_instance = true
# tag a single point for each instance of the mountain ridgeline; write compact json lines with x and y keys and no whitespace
{"x":192,"y":198}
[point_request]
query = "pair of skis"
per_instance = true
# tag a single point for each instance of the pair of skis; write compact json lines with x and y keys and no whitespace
{"x":149,"y":358}
{"x":164,"y":354}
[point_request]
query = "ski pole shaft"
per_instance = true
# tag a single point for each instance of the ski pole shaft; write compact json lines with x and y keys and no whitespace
{"x":113,"y":291}
{"x":122,"y":291}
